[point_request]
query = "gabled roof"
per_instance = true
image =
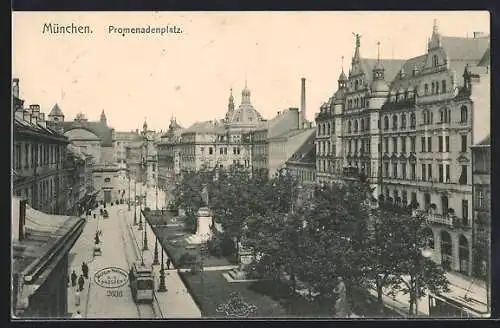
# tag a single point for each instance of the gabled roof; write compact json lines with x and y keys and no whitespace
{"x":205,"y":127}
{"x":460,"y":48}
{"x":56,"y":111}
{"x":391,"y":67}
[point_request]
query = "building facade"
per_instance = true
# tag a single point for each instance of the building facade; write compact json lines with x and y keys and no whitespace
{"x":40,"y":174}
{"x":169,"y":161}
{"x":122,"y":141}
{"x":302,"y":163}
{"x":95,"y":139}
{"x":406,"y":127}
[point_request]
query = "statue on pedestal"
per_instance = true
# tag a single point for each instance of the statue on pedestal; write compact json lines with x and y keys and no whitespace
{"x":341,"y":299}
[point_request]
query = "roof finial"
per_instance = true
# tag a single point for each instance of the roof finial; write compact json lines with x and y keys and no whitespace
{"x":245,"y":80}
{"x":342,"y":63}
{"x":435,"y":27}
{"x":378,"y":51}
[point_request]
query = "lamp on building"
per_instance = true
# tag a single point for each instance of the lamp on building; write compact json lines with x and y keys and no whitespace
{"x":145,"y":238}
{"x":155,"y":258}
{"x":162,"y":288}
{"x":135,"y":202}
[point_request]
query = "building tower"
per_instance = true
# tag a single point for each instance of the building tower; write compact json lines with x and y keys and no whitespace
{"x":230,"y":105}
{"x":103,"y":118}
{"x":338,"y":109}
{"x":56,"y":114}
{"x":245,"y":95}
{"x":15,"y":87}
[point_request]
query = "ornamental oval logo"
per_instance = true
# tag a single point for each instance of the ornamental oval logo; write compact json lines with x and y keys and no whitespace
{"x":111,"y":277}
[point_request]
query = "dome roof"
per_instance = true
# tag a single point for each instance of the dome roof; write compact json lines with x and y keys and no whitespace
{"x":380,"y":86}
{"x":378,"y":66}
{"x":246,"y":92}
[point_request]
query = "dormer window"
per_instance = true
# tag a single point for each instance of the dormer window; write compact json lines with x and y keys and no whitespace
{"x":434,"y":61}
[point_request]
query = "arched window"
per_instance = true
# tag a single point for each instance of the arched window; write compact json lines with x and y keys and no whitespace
{"x":403,"y":121}
{"x":386,"y":123}
{"x":356,"y":126}
{"x":424,"y":117}
{"x":463,"y":114}
{"x":349,"y":127}
{"x":394,"y":122}
{"x":463,"y":255}
{"x":443,"y":86}
{"x":444,"y":205}
{"x":442,"y":114}
{"x":446,"y":250}
{"x":356,"y":84}
{"x":434,"y":60}
{"x":448,"y":115}
{"x":362,"y":127}
{"x":413,"y":120}
{"x":437,"y":87}
{"x":432,"y":88}
{"x":426,"y":89}
{"x":428,"y":238}
{"x":329,"y":129}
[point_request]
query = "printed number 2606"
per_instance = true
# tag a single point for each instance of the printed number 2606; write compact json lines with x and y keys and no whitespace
{"x":114,"y":293}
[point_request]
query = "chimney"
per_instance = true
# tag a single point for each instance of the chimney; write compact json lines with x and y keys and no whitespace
{"x":15,"y":87}
{"x":303,"y":101}
{"x":26,"y":115}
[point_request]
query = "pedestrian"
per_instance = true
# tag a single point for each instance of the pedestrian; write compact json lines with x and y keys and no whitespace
{"x":77,"y":315}
{"x":85,"y":270}
{"x":340,"y":301}
{"x":77,"y":298}
{"x":73,"y":278}
{"x":81,"y":282}
{"x":168,"y":264}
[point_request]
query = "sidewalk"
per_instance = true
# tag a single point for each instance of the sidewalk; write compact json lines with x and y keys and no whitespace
{"x":176,"y":302}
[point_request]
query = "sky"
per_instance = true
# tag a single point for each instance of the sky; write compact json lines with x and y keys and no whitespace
{"x":188,"y":75}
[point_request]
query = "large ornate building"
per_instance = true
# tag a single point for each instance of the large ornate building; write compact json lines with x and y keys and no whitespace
{"x":169,"y":161}
{"x":42,"y":170}
{"x":406,"y":126}
{"x":94,"y":138}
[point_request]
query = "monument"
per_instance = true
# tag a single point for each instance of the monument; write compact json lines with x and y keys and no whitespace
{"x":245,"y":258}
{"x":204,"y":214}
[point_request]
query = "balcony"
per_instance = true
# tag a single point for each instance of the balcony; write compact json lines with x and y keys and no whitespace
{"x":450,"y":221}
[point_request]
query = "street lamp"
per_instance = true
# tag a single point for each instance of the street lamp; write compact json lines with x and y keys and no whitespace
{"x":162,"y":288}
{"x":145,"y":240}
{"x":426,"y":253}
{"x":155,"y":259}
{"x":135,"y":202}
{"x":128,"y":191}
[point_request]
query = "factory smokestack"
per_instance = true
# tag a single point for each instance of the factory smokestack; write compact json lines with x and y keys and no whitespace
{"x":303,"y":119}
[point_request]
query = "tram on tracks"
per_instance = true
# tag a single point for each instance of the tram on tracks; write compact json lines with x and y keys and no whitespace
{"x":141,"y":283}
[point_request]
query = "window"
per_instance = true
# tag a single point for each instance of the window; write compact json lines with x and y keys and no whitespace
{"x":480,"y":199}
{"x":403,"y":171}
{"x":426,"y":89}
{"x":434,"y":60}
{"x":427,"y":201}
{"x":437,"y":87}
{"x":403,"y":145}
{"x":403,"y":121}
{"x":440,"y":144}
{"x":413,"y":143}
{"x":444,"y":205}
{"x":441,"y":116}
{"x":386,"y":144}
{"x":447,"y":173}
{"x":441,"y":173}
{"x":447,"y":144}
{"x":395,"y":144}
{"x":413,"y":172}
{"x":463,"y":114}
{"x":386,"y":123}
{"x":395,"y":170}
{"x":463,"y":175}
{"x":432,"y":88}
{"x":386,"y":170}
{"x":413,"y":120}
{"x":356,"y":126}
{"x":443,"y":86}
{"x":429,"y":144}
{"x":414,"y":197}
{"x":26,"y":155}
{"x":465,"y":210}
{"x":210,"y":151}
{"x":448,"y":115}
{"x":221,"y":151}
{"x":463,"y":147}
{"x":404,"y":196}
{"x":423,"y":144}
{"x":18,"y":157}
{"x":349,"y":127}
{"x":107,"y":180}
{"x":394,"y":122}
{"x":424,"y":169}
{"x":429,"y":172}
{"x":234,"y":150}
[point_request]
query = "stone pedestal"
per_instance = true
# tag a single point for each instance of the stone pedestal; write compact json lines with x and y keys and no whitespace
{"x":245,"y":258}
{"x":203,"y":232}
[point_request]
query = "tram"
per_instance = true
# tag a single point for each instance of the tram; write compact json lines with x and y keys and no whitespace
{"x":141,"y":283}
